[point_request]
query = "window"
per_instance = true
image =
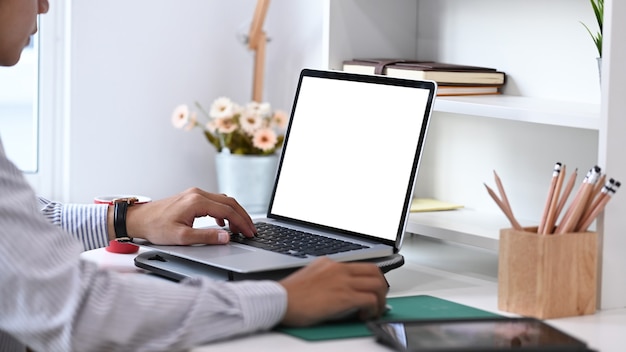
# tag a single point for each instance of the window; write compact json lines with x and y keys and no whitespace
{"x":32,"y":105}
{"x":19,"y":108}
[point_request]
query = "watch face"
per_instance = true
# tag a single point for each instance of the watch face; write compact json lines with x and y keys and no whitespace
{"x":109,"y":199}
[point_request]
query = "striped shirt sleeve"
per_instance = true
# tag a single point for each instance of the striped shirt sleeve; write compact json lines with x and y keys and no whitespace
{"x":87,"y":222}
{"x":51,"y":300}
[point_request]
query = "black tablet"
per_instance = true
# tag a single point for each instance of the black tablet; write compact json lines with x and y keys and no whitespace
{"x":484,"y":334}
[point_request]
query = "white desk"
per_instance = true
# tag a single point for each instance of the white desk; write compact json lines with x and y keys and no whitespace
{"x":458,"y":273}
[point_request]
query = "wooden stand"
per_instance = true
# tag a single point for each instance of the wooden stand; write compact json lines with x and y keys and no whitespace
{"x":547,"y":276}
{"x":259,"y":64}
{"x":257,"y":41}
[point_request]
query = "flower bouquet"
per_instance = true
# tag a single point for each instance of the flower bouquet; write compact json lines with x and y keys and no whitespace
{"x":253,"y":129}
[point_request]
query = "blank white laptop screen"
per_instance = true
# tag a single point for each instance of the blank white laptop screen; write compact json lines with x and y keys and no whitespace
{"x":349,"y":155}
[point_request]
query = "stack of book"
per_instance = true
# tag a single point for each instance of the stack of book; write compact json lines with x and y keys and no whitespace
{"x":452,"y":79}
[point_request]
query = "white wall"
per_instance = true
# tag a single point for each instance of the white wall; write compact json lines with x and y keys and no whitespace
{"x":539,"y":51}
{"x":132,"y":62}
{"x":541,"y":45}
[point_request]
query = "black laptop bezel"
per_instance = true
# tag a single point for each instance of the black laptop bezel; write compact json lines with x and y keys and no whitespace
{"x":376,"y":79}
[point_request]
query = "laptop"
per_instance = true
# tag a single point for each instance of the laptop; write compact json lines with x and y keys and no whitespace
{"x":347,"y":171}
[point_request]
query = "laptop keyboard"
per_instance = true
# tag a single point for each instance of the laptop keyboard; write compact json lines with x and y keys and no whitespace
{"x":293,"y":242}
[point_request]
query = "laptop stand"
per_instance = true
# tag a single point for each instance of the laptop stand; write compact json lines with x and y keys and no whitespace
{"x":176,"y":268}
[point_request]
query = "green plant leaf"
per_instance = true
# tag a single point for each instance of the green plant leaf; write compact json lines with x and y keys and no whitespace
{"x":213,"y":140}
{"x":598,"y":10}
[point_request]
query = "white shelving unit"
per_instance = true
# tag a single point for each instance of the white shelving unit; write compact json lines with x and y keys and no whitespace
{"x":479,"y":228}
{"x":553,"y":107}
{"x":523,"y":109}
{"x":470,"y":227}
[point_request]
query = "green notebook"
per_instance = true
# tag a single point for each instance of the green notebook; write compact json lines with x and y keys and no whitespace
{"x":410,"y":307}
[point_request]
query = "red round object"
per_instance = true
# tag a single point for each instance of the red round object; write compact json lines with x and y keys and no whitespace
{"x":121,"y":247}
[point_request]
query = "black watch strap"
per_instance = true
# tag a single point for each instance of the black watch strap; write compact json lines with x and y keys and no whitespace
{"x":120,"y":207}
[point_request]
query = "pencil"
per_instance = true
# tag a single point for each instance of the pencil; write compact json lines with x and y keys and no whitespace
{"x":507,"y":212}
{"x":595,"y":193}
{"x":551,"y":217}
{"x":505,"y":200}
{"x":574,"y":201}
{"x":546,"y":209}
{"x":566,"y":193}
{"x":599,"y":207}
{"x":604,"y":192}
{"x":599,"y":186}
{"x":571,"y":220}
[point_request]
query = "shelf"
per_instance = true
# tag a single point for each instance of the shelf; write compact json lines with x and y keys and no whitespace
{"x":467,"y":226}
{"x":524,"y":109}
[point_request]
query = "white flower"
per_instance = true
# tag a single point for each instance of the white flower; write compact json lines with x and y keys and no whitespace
{"x":250,"y":123}
{"x":279,"y":119}
{"x":182,"y":119}
{"x":222,"y":108}
{"x":211,"y":126}
{"x":192,"y":121}
{"x":264,"y":139}
{"x":259,"y":109}
{"x":226,"y":125}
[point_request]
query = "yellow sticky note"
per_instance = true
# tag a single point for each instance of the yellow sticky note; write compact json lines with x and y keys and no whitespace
{"x":429,"y":204}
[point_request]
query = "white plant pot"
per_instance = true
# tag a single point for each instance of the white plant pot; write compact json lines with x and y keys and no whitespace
{"x":599,"y":59}
{"x":247,"y":178}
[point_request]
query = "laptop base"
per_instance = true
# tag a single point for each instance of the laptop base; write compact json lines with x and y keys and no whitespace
{"x":177,"y":268}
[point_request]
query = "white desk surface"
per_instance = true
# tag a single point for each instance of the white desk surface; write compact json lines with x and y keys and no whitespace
{"x":459,"y":273}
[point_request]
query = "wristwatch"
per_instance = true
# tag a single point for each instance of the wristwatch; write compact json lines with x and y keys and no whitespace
{"x":120,"y":206}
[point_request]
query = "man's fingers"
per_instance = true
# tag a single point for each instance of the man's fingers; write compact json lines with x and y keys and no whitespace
{"x":332,"y":288}
{"x":369,"y":279}
{"x":228,"y":208}
{"x":368,"y":285}
{"x":221,"y":208}
{"x":220,"y":222}
{"x":206,"y":236}
{"x":367,"y":270}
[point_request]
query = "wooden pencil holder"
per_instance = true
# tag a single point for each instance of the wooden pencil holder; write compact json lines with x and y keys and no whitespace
{"x":547,"y":276}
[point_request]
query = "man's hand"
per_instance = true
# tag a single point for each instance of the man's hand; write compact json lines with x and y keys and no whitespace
{"x":170,"y":220}
{"x":326,"y":288}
